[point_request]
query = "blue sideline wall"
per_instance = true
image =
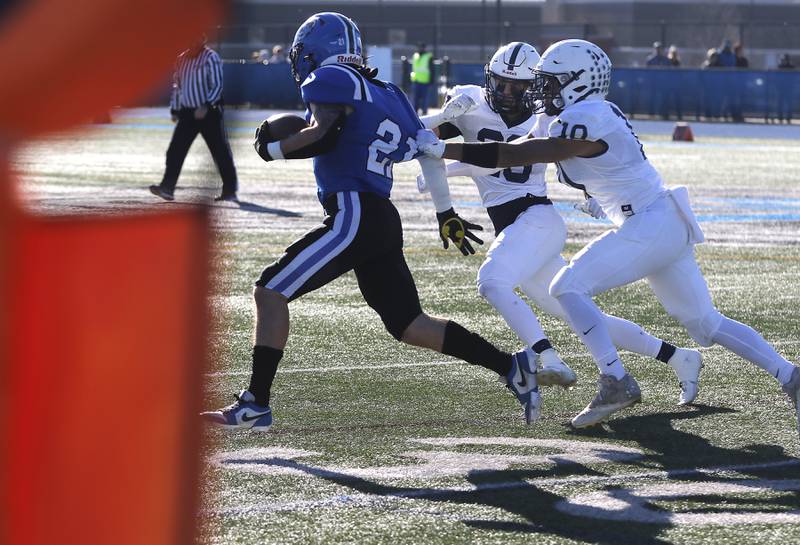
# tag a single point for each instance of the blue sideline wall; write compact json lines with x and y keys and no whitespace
{"x":689,"y":93}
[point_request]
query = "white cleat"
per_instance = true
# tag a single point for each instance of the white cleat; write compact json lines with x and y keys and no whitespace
{"x":792,"y":390}
{"x":687,"y":364}
{"x":613,"y":396}
{"x":552,"y":371}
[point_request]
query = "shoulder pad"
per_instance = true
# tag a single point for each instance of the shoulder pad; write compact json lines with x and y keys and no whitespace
{"x":333,"y":84}
{"x":583,"y":121}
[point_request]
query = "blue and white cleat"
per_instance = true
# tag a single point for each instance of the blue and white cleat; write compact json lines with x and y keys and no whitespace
{"x":521,"y":380}
{"x":244,"y":414}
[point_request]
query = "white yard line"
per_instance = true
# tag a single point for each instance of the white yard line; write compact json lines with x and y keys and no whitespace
{"x":336,"y":369}
{"x":348,"y":368}
{"x":360,"y":499}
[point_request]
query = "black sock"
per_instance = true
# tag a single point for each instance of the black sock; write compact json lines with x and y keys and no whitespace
{"x":265,"y":365}
{"x":666,"y":352}
{"x":541,"y":346}
{"x":472,"y":348}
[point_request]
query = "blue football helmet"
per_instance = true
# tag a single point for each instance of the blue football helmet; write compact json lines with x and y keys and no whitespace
{"x":324,"y":38}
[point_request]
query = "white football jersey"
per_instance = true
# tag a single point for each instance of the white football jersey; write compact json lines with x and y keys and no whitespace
{"x":621,"y":178}
{"x":484,"y":125}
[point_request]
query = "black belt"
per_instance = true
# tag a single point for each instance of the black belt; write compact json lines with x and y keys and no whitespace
{"x":505,"y":214}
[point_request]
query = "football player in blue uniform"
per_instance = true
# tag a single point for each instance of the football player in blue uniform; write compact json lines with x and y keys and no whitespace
{"x":359,"y":127}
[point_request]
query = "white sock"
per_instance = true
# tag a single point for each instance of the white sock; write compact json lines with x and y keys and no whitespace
{"x":630,"y":336}
{"x":516,"y":312}
{"x":745,"y":341}
{"x":589,"y":325}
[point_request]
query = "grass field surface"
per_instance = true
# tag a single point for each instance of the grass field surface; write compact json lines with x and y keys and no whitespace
{"x":376,"y":442}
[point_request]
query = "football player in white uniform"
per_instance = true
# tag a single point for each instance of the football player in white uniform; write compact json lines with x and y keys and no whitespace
{"x":596,"y":150}
{"x":530,"y":234}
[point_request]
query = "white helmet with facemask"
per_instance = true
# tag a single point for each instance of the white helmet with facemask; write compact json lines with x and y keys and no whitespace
{"x":571,"y":71}
{"x":509,"y":78}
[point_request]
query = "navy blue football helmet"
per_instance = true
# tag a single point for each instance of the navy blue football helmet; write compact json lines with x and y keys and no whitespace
{"x":325,"y":38}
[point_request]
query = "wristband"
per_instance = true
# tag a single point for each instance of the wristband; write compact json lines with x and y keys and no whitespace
{"x":274,"y":150}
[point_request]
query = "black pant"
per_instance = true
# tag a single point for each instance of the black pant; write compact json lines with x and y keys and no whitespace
{"x":361,"y":232}
{"x":212,"y":127}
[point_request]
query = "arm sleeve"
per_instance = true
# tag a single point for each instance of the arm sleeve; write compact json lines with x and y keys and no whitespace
{"x":214,"y":79}
{"x":448,"y":130}
{"x":433,"y":170}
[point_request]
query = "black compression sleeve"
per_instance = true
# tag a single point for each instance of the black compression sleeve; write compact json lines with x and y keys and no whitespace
{"x":482,"y":155}
{"x":447,"y":131}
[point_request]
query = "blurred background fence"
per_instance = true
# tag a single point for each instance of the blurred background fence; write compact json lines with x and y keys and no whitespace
{"x":668,"y":93}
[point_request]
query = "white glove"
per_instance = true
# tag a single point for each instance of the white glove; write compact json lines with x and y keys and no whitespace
{"x":591,"y":207}
{"x":455,"y":107}
{"x":429,"y":144}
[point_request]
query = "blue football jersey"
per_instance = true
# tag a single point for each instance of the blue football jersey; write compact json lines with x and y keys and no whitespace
{"x":379,"y":132}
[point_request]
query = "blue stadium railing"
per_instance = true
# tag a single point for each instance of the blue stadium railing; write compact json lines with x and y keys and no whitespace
{"x":668,"y":92}
{"x":690,"y":93}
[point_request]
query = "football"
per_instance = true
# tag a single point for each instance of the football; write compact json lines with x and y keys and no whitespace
{"x":279,"y":126}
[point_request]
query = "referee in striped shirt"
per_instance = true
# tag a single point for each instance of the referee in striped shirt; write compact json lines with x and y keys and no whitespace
{"x":196,"y":105}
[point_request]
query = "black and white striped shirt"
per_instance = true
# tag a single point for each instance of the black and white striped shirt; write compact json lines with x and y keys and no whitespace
{"x":197,"y":80}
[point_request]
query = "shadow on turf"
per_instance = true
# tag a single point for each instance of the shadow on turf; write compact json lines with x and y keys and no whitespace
{"x":669,"y":449}
{"x":257,"y":208}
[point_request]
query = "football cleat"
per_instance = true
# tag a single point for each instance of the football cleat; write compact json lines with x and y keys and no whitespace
{"x":792,"y":390}
{"x":552,"y":371}
{"x":159,"y":191}
{"x":613,"y":396}
{"x":687,"y":364}
{"x":229,"y":197}
{"x":243,"y":414}
{"x":521,"y":380}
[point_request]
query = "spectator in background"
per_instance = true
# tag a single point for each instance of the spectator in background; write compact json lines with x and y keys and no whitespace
{"x":260,"y":55}
{"x":785,"y":91}
{"x":672,"y":55}
{"x":421,"y":74}
{"x":674,"y":95}
{"x":736,"y":89}
{"x":278,"y":57}
{"x":726,"y":56}
{"x":712,"y":59}
{"x":785,"y":62}
{"x":741,"y":60}
{"x":710,"y":100}
{"x":657,"y":57}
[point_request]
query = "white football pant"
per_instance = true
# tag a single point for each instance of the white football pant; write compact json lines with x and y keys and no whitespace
{"x":653,"y":244}
{"x":527,"y":254}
